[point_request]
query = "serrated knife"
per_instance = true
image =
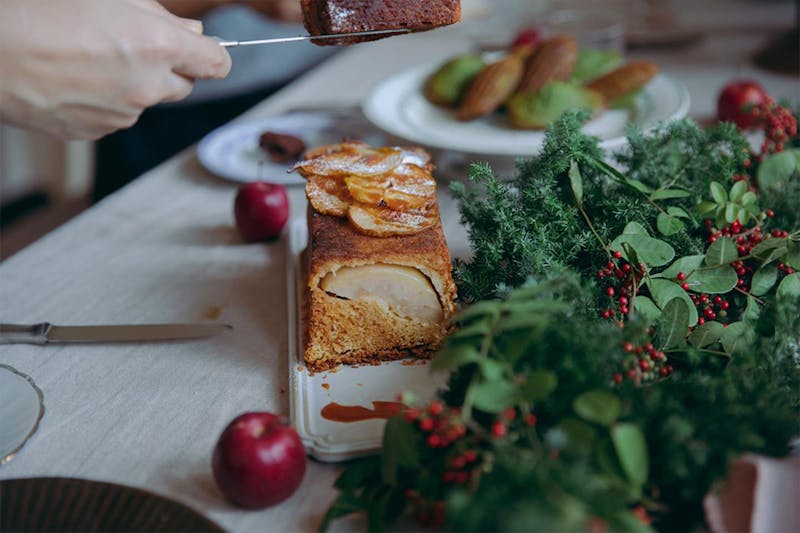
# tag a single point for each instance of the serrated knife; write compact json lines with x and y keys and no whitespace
{"x":46,"y":333}
{"x":231,"y":44}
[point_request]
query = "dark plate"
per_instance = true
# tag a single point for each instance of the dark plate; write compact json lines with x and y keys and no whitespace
{"x":67,"y":504}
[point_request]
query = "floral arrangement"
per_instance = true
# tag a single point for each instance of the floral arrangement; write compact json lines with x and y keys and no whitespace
{"x":628,"y":329}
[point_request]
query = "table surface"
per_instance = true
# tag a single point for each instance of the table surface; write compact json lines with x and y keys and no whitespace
{"x":164,"y":249}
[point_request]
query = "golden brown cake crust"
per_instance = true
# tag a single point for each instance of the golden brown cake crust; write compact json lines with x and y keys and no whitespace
{"x":332,"y":326}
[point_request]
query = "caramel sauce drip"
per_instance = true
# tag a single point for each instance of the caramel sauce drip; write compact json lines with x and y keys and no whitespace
{"x":357,"y":413}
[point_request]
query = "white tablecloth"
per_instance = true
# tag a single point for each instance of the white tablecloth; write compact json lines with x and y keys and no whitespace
{"x":164,"y":249}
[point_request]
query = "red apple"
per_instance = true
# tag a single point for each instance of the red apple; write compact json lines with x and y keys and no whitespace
{"x":736,"y":101}
{"x":258,"y":461}
{"x":261,"y":210}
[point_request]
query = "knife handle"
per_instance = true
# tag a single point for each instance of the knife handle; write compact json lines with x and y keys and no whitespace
{"x":19,"y":334}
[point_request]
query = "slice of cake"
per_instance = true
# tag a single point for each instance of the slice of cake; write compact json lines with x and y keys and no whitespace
{"x":328,"y":17}
{"x":372,"y":298}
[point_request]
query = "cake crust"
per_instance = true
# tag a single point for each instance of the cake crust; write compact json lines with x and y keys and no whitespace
{"x":325,"y":17}
{"x":332,"y":326}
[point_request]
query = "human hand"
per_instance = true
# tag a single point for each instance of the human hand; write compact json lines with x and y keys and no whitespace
{"x":84,"y":68}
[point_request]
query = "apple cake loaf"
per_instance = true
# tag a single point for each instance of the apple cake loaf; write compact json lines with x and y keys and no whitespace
{"x":378,"y":283}
{"x":328,"y":17}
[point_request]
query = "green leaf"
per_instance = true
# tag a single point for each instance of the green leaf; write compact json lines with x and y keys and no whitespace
{"x":454,"y":356}
{"x":763,"y":280}
{"x":668,"y":224}
{"x":651,"y":251}
{"x":663,"y":291}
{"x":749,"y":198}
{"x":737,"y":191}
{"x":491,"y":369}
{"x":598,"y":406}
{"x":789,"y":288}
{"x":631,"y":450}
{"x":718,"y":193}
{"x":738,"y":337}
{"x":705,"y":207}
{"x":486,"y":308}
{"x":638,"y":185}
{"x":648,"y":310}
{"x":537,"y":386}
{"x":478,"y":328}
{"x":358,"y":473}
{"x":576,"y":181}
{"x":678,"y":212}
{"x":399,"y":449}
{"x":673,"y":324}
{"x":580,"y":435}
{"x":777,"y":169}
{"x":721,"y":252}
{"x":770,"y":249}
{"x":731,"y":213}
{"x":718,"y":280}
{"x":629,"y":522}
{"x":793,"y":254}
{"x":492,"y":396}
{"x":665,"y":194}
{"x":706,"y":334}
{"x":345,"y":504}
{"x":753,"y":310}
{"x":686,"y":264}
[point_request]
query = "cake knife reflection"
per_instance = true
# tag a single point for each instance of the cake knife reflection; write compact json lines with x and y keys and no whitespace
{"x":46,"y":333}
{"x":231,"y":44}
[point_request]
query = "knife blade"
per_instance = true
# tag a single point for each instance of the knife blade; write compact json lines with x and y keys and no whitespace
{"x":231,"y":44}
{"x":45,"y":333}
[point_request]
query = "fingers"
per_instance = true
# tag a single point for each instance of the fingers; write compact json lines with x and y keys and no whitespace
{"x":201,"y":57}
{"x":178,"y":88}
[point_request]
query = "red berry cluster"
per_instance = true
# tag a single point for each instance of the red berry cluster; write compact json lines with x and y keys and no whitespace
{"x":620,"y":280}
{"x":642,"y":363}
{"x":500,"y":426}
{"x":746,"y":240}
{"x":779,"y":126}
{"x":443,"y":425}
{"x":710,"y":308}
{"x":459,"y":467}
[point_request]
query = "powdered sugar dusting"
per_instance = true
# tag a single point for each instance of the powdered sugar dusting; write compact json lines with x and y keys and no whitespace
{"x":339,"y":15}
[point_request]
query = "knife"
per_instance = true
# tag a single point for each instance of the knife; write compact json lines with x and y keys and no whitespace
{"x":231,"y":44}
{"x":45,"y":333}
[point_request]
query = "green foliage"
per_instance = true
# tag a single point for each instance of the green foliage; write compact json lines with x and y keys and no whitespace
{"x":596,"y":450}
{"x":602,"y":449}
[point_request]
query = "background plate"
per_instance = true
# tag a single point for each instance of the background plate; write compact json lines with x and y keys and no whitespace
{"x":324,"y":439}
{"x":232,"y":152}
{"x":68,"y":504}
{"x":398,"y":106}
{"x":21,"y":410}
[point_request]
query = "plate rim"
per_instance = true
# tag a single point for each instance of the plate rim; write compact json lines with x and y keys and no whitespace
{"x":371,"y":108}
{"x":207,"y":142}
{"x":40,"y":396}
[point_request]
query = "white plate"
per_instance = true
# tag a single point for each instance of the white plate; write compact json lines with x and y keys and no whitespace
{"x":324,"y":439}
{"x":398,"y":106}
{"x":232,"y":152}
{"x":21,"y":409}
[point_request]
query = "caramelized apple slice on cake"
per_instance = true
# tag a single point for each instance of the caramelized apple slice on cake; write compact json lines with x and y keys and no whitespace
{"x":349,"y":159}
{"x":328,"y":195}
{"x":385,"y":222}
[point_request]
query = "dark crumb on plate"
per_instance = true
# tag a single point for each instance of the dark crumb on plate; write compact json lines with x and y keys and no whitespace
{"x":281,"y":147}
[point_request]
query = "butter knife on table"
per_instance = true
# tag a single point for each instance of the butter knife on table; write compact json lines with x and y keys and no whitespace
{"x":46,"y":333}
